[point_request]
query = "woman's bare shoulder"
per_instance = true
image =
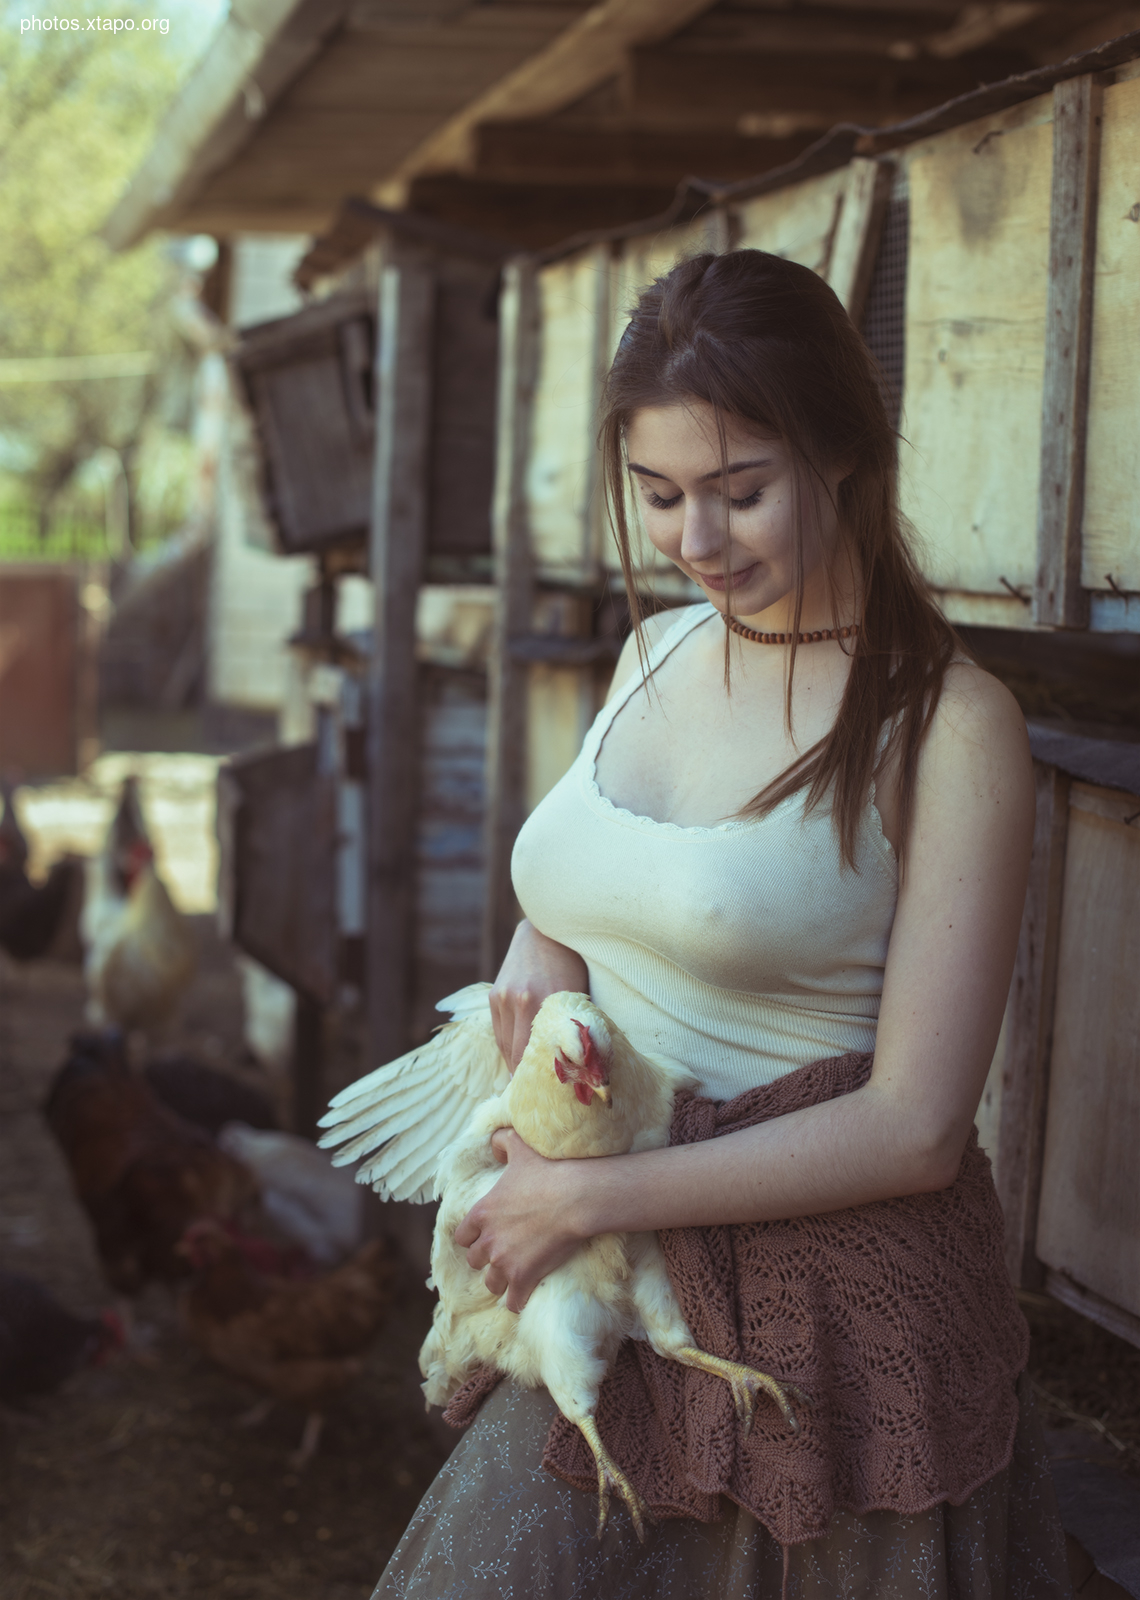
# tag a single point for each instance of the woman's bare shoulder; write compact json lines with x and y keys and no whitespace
{"x":976,"y":754}
{"x":652,"y":630}
{"x":977,"y":710}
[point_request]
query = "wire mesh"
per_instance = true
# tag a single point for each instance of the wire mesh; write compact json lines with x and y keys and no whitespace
{"x":884,"y":317}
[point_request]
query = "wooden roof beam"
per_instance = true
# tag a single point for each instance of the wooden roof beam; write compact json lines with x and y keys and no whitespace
{"x":261,"y":47}
{"x":944,"y":33}
{"x":609,"y":152}
{"x":767,"y":92}
{"x":980,"y":25}
{"x":584,"y":55}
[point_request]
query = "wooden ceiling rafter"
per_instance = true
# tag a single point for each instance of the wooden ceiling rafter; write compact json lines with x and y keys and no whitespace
{"x":584,"y":55}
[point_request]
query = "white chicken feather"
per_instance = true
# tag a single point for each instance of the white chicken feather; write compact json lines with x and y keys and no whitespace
{"x":425,"y":1123}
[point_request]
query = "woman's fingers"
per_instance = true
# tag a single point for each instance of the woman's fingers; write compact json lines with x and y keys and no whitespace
{"x":513,"y":1012}
{"x":534,"y":967}
{"x":497,"y":1284}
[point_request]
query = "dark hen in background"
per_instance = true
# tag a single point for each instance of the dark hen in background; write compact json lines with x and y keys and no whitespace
{"x":41,"y":1343}
{"x":31,"y":915}
{"x":206,"y":1097}
{"x":141,"y":1172}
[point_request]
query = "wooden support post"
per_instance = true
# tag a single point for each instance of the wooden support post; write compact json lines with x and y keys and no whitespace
{"x":596,"y":529}
{"x":308,"y":1062}
{"x":397,"y":549}
{"x":507,"y":675}
{"x":1029,"y":1023}
{"x":1059,"y":601}
{"x":857,"y":233}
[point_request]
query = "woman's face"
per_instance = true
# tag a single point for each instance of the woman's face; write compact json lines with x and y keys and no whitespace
{"x":675,"y":463}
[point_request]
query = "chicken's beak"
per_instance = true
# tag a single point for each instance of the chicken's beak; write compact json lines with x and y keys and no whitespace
{"x":602,"y":1090}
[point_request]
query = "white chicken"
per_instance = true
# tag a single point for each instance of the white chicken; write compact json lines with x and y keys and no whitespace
{"x":581,"y":1089}
{"x":312,"y":1203}
{"x":139,"y":950}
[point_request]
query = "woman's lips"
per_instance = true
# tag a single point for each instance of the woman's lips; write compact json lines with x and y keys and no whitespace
{"x":715,"y":580}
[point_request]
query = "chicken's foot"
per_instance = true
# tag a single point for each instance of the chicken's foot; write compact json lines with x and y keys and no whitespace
{"x":314,"y":1422}
{"x":610,"y":1476}
{"x":745,"y":1383}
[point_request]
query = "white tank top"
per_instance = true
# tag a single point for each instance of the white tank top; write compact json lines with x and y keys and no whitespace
{"x":741,"y":951}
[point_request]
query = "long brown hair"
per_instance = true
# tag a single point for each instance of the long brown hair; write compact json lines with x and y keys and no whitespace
{"x":765,"y":341}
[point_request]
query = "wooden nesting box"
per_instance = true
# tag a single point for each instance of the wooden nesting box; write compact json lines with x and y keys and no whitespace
{"x":309,"y":379}
{"x":277,"y":829}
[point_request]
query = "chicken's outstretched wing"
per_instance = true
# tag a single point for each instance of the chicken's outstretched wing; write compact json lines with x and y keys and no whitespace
{"x":405,"y":1113}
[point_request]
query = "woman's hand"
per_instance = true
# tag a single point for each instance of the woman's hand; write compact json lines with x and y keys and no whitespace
{"x":519,"y":1230}
{"x":534,"y":968}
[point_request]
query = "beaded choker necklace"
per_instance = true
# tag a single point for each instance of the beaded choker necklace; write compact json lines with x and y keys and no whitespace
{"x":848,"y":632}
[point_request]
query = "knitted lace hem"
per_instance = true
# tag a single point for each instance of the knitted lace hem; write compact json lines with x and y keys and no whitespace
{"x":897,"y":1318}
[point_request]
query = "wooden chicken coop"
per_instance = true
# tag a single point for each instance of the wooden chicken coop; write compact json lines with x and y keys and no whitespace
{"x":987,"y":248}
{"x":990,"y":250}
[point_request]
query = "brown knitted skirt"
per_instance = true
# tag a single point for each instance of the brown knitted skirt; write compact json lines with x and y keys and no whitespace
{"x":496,"y":1526}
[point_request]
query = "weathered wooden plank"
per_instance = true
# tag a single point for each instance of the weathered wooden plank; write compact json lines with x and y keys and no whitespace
{"x":1090,"y":1305}
{"x":1029,"y":1032}
{"x":398,"y":545}
{"x":555,"y":726}
{"x":1089,"y":1226}
{"x":977,"y":288}
{"x":798,"y":223}
{"x":507,"y":677}
{"x":1111,"y":533}
{"x":1058,"y":598}
{"x":462,"y":463}
{"x":561,"y":471}
{"x":857,"y":232}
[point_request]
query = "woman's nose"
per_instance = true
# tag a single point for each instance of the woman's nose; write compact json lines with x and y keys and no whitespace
{"x":702,"y":535}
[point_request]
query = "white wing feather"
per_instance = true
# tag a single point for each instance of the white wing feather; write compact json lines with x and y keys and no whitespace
{"x":403,"y":1115}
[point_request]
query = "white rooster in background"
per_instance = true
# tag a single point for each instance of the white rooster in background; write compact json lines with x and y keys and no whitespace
{"x":139,"y":949}
{"x":581,"y":1089}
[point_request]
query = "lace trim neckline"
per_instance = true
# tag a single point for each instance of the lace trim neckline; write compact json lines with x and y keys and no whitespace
{"x":588,"y":759}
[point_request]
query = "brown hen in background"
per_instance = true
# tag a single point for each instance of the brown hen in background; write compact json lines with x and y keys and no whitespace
{"x":295,"y":1341}
{"x":140,"y":1172}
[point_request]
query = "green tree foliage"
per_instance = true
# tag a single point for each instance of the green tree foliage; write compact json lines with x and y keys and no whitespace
{"x":78,"y":110}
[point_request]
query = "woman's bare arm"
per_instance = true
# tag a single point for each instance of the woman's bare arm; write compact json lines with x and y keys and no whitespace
{"x":534,"y":967}
{"x":947,"y":976}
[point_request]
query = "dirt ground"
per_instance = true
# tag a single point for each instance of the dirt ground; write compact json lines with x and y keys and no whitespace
{"x":136,"y":1480}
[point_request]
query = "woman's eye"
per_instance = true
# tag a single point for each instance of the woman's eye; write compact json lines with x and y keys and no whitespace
{"x":749,"y":500}
{"x":659,"y":503}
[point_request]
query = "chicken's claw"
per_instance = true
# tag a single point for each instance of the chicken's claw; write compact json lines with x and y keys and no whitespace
{"x":610,"y":1476}
{"x":746,"y":1383}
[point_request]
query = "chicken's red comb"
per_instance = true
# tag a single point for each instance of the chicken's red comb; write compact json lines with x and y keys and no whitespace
{"x":593,"y":1067}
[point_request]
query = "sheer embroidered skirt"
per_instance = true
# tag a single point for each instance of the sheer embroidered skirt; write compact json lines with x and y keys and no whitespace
{"x":495,"y":1526}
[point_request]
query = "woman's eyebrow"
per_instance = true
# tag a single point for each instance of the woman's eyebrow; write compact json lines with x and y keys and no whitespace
{"x":735,"y":466}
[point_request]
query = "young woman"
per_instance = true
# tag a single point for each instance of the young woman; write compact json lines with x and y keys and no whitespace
{"x":799,"y":829}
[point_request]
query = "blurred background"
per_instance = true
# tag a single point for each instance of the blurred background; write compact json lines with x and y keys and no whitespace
{"x":307,"y":598}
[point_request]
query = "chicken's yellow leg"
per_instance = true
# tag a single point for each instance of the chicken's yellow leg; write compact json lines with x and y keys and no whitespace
{"x":610,"y":1476}
{"x":745,"y":1383}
